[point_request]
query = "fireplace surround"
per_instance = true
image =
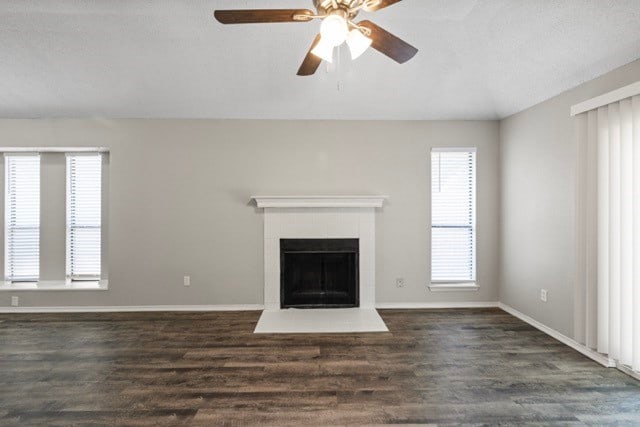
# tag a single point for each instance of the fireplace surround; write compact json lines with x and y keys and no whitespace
{"x":319,"y":217}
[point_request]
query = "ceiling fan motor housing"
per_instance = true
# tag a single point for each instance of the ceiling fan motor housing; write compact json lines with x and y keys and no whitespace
{"x":350,"y":7}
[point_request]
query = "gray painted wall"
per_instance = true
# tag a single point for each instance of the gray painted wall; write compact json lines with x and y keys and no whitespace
{"x":538,"y":160}
{"x":179,"y":201}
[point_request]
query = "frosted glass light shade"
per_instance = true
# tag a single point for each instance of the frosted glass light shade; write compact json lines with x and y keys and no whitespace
{"x":324,"y":50}
{"x":334,"y":29}
{"x":358,"y":43}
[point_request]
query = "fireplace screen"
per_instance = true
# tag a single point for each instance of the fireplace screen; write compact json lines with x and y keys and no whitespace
{"x":319,"y":273}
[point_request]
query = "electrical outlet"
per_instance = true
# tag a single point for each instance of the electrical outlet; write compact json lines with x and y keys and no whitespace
{"x":543,"y":295}
{"x":15,"y":301}
{"x":400,"y":282}
{"x":187,"y":281}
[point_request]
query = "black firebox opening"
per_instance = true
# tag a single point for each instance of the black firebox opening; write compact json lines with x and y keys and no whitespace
{"x":319,"y":273}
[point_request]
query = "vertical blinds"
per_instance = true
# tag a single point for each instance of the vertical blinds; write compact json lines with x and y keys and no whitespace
{"x":22,"y":218}
{"x":84,"y":211}
{"x":608,"y":258}
{"x":453,"y":215}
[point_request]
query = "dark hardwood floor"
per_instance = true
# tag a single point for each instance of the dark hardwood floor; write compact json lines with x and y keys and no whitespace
{"x":476,"y":366}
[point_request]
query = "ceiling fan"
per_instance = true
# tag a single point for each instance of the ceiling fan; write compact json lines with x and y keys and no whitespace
{"x":337,"y":27}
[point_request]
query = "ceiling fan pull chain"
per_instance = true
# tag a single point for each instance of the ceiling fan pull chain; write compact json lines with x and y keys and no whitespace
{"x":337,"y":70}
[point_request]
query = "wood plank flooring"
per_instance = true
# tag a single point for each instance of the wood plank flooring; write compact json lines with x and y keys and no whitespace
{"x":444,"y":367}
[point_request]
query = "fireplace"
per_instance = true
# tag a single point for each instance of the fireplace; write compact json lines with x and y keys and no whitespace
{"x":320,"y":217}
{"x":319,"y":273}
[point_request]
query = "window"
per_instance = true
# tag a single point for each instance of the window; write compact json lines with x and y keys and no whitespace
{"x":84,"y":213}
{"x":453,"y":215}
{"x":22,"y":217}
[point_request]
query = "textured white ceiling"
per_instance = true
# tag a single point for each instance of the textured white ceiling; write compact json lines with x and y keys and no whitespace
{"x":478,"y":59}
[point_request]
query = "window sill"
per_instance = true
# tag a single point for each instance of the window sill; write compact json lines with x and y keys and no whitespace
{"x":454,"y":287}
{"x":55,"y":285}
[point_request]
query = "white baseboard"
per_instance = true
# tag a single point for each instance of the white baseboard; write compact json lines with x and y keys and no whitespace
{"x":419,"y":305}
{"x":132,"y":308}
{"x":594,"y":355}
{"x":628,"y":371}
{"x":232,"y":307}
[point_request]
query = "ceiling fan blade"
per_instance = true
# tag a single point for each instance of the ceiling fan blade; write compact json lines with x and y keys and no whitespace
{"x":382,"y":5}
{"x":311,"y":62}
{"x":388,"y":44}
{"x":257,"y":16}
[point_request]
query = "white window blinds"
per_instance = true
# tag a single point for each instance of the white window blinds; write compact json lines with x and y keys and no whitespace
{"x":453,"y":215}
{"x":84,"y":212}
{"x":22,"y":218}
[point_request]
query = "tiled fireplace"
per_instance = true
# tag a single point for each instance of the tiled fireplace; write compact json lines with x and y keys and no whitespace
{"x":346,"y":218}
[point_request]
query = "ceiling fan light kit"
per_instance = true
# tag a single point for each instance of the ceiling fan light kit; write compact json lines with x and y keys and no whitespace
{"x":337,"y":27}
{"x":358,"y":43}
{"x":334,"y":28}
{"x":324,"y":51}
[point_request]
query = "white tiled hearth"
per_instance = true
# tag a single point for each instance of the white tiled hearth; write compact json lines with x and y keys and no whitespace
{"x":319,"y":217}
{"x":333,"y":320}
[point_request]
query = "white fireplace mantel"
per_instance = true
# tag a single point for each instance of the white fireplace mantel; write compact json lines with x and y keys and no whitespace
{"x":319,"y":201}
